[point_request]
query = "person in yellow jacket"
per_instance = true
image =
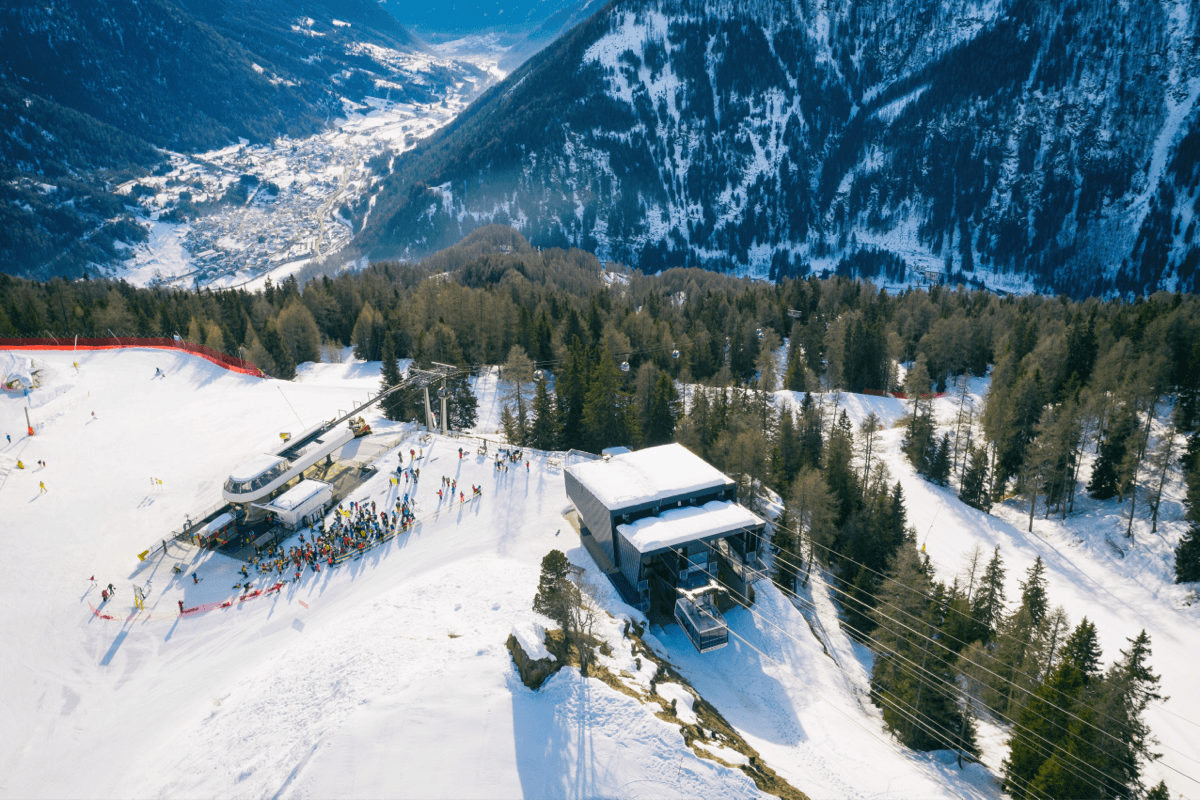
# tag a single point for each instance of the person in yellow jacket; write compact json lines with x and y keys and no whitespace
{"x":42,"y":487}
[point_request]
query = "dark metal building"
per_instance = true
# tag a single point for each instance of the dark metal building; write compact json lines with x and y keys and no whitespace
{"x":669,"y":523}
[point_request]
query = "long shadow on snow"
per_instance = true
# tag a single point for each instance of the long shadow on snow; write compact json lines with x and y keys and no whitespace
{"x":552,"y":754}
{"x":736,"y":682}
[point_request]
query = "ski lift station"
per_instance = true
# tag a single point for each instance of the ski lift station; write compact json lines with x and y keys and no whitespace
{"x":263,"y":474}
{"x":302,"y":505}
{"x":679,"y":543}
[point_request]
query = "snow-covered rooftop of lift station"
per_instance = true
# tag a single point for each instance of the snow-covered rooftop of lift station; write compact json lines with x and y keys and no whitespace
{"x":676,"y":526}
{"x":646,"y":476}
{"x":298,"y":495}
{"x":254,"y":467}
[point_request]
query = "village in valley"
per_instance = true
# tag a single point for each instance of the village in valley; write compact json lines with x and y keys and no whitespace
{"x":231,"y":217}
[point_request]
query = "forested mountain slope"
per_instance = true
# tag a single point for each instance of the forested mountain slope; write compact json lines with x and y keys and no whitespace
{"x":1025,"y":144}
{"x":89,"y":92}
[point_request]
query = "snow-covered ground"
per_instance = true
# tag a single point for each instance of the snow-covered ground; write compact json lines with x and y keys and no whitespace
{"x":1092,"y":570}
{"x":392,"y":679}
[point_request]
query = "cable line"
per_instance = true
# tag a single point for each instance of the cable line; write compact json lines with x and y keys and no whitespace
{"x":942,"y":733}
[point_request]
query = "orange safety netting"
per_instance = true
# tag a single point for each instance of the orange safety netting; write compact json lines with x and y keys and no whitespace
{"x":159,"y":343}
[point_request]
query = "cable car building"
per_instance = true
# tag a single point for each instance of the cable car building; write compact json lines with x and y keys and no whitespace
{"x":671,"y":526}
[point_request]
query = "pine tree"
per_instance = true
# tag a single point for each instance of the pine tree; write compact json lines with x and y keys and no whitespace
{"x":860,"y":600}
{"x":794,"y":377}
{"x":393,"y":404}
{"x":912,"y":681}
{"x":543,"y":433}
{"x":508,"y":424}
{"x":1122,"y":698}
{"x":665,"y":409}
{"x":1159,"y":792}
{"x":1018,"y":428}
{"x":1044,"y":724}
{"x":1106,"y":474}
{"x":987,"y":603}
{"x":609,"y":418}
{"x":518,"y":373}
{"x":462,"y":407}
{"x":571,"y":390}
{"x":1033,"y":592}
{"x":555,"y":590}
{"x":839,"y":471}
{"x":1187,"y":553}
{"x":974,"y":484}
{"x":939,"y":468}
{"x":812,"y":443}
{"x":811,"y":510}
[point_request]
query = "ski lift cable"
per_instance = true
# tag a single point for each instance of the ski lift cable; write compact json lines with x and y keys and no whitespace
{"x":972,"y":663}
{"x":933,"y":677}
{"x":886,"y":742}
{"x":943,"y":646}
{"x":911,"y":670}
{"x":885,"y":577}
{"x":877,"y":597}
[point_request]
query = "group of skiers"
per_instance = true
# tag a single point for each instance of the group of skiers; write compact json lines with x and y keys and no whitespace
{"x":356,"y":527}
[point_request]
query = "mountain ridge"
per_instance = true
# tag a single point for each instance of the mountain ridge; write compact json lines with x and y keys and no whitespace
{"x":1013,"y":144}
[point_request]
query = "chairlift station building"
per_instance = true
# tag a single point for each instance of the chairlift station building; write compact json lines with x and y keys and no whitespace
{"x":670,"y":524}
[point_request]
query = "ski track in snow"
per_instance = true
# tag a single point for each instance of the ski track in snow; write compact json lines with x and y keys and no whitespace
{"x":395,"y":680}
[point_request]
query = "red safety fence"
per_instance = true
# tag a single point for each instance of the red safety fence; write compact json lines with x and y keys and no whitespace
{"x":144,"y":616}
{"x":159,"y":343}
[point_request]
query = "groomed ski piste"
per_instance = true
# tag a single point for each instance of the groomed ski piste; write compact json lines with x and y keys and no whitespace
{"x":388,"y":675}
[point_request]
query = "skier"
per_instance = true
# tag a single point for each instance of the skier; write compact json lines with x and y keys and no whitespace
{"x":111,"y":589}
{"x":104,"y":595}
{"x":9,"y":437}
{"x":93,"y":415}
{"x":42,"y":487}
{"x":181,"y":607}
{"x":461,"y":499}
{"x":157,"y":372}
{"x":195,"y":579}
{"x":527,"y":466}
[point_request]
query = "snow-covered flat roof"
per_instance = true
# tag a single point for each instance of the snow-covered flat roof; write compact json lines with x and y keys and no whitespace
{"x":299,"y":494}
{"x":254,"y":467}
{"x":645,"y":476}
{"x":218,"y":523}
{"x":678,"y":525}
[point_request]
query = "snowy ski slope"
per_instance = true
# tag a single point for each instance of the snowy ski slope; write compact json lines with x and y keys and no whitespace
{"x":394,"y":681}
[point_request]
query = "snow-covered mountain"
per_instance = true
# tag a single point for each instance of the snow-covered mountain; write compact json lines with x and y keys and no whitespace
{"x":92,"y":94}
{"x":1025,"y":144}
